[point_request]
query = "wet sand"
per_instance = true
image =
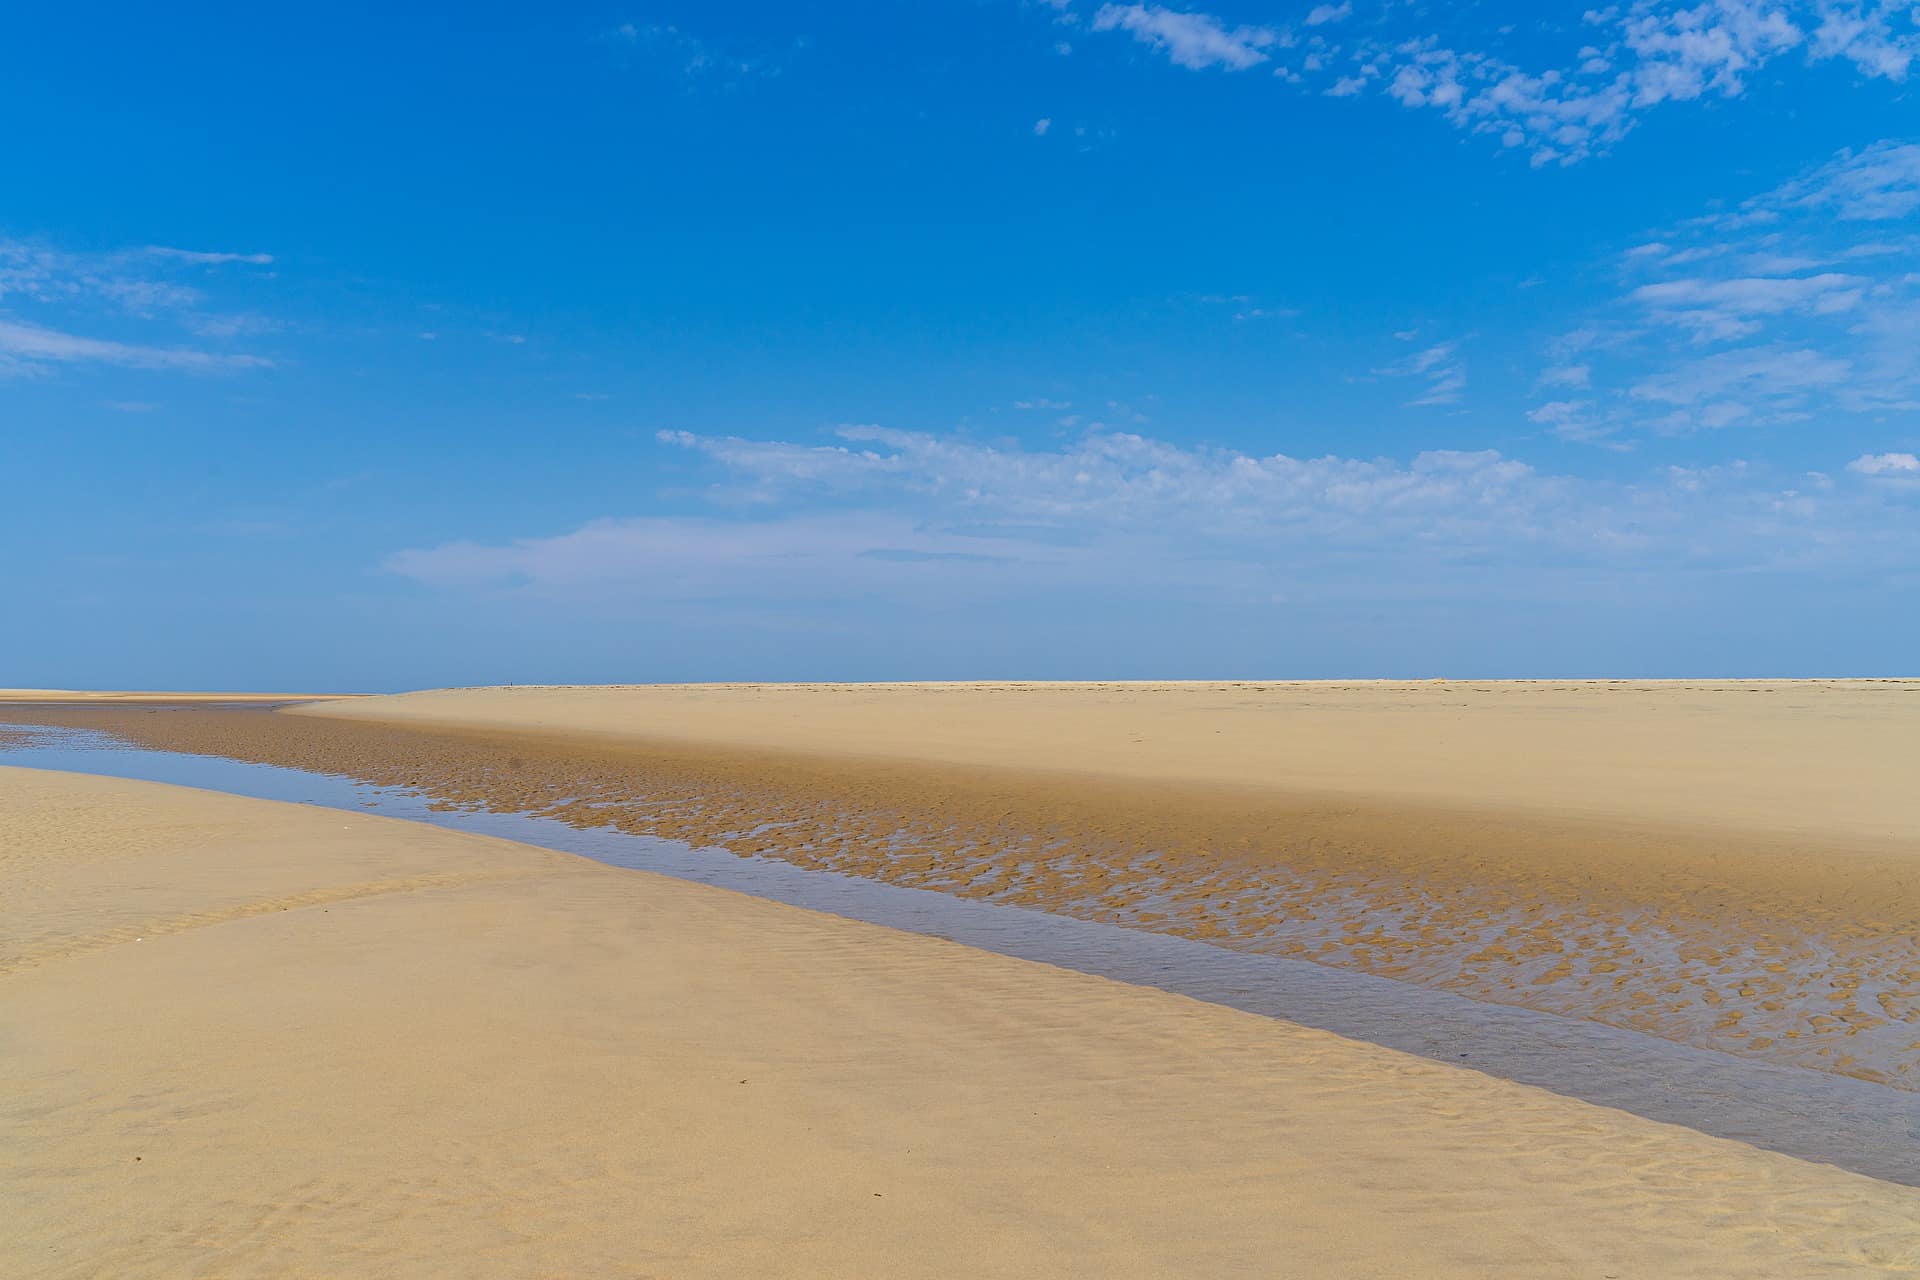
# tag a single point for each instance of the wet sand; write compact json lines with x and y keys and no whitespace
{"x":1734,"y":866}
{"x":253,"y":1038}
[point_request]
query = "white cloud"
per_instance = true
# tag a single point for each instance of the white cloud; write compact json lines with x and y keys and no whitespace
{"x":1735,"y":308}
{"x":1876,"y":184}
{"x":25,"y":346}
{"x":1864,"y":35}
{"x":39,"y":273}
{"x":204,"y":259}
{"x":133,"y":280}
{"x":692,"y":59}
{"x":884,"y":518}
{"x":1743,"y":318}
{"x":1641,"y":56}
{"x":1885,"y":464}
{"x":229,"y":325}
{"x":66,"y":292}
{"x":1193,"y":40}
{"x":1577,"y":376}
{"x":1749,"y":386}
{"x":1109,"y":475}
{"x":1440,"y":366}
{"x":1684,"y":51}
{"x":1265,"y":313}
{"x":1041,"y":126}
{"x":1572,"y":420}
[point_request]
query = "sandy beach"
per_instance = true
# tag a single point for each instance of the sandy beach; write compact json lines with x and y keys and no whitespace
{"x":637,"y":635}
{"x":1831,"y":758}
{"x":248,"y":1038}
{"x":1730,"y":865}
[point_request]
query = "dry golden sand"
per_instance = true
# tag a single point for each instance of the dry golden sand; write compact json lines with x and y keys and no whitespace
{"x":1823,"y":757}
{"x":245,"y":1038}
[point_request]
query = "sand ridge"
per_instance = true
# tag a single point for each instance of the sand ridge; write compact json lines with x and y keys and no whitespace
{"x":1831,"y":758}
{"x":510,"y":1062}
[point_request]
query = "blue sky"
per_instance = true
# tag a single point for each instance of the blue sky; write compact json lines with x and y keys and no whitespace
{"x":990,"y":338}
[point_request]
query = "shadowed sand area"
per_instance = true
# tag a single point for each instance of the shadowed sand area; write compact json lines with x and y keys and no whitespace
{"x":250,"y":1038}
{"x":1731,"y":865}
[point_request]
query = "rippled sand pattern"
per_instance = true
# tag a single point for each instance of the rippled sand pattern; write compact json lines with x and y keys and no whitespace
{"x":1816,"y":963}
{"x":256,"y":1039}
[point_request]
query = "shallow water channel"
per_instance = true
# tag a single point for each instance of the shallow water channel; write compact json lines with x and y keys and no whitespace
{"x":1864,"y":1127}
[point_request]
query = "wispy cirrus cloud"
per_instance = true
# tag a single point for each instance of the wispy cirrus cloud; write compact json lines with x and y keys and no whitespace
{"x":1800,"y":303}
{"x":154,"y":288}
{"x":1747,"y":386}
{"x":144,"y":279}
{"x":24,"y":346}
{"x":1439,"y":366}
{"x":1879,"y":183}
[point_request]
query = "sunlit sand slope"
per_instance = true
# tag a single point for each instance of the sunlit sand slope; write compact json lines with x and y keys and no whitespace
{"x":245,"y":1038}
